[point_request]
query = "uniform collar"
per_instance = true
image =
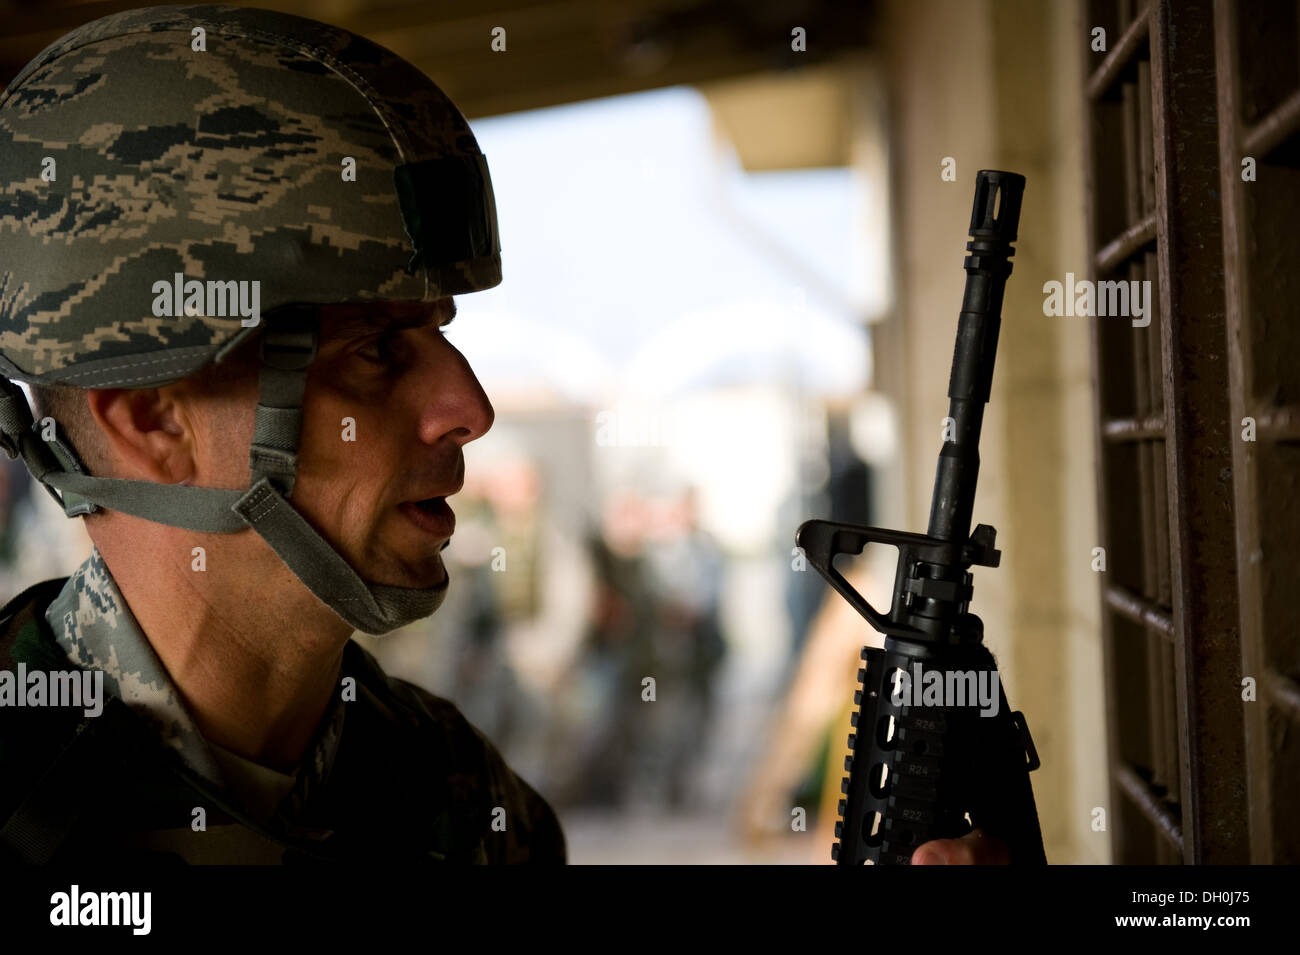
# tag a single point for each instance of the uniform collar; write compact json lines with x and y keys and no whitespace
{"x":93,"y":625}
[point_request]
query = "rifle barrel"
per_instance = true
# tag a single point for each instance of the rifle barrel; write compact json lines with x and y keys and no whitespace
{"x":995,"y":218}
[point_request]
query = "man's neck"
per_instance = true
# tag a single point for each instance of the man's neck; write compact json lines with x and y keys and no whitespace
{"x":254,"y":655}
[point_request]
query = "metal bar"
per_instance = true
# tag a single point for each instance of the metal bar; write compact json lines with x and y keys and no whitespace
{"x":1094,"y":182}
{"x":1153,"y":805}
{"x":1149,"y":399}
{"x":1140,"y":610}
{"x":1198,"y":450}
{"x":1261,"y":260}
{"x":1132,"y":160}
{"x":1146,"y":144}
{"x":1158,"y":576}
{"x":1273,"y":130}
{"x":1164,"y":745}
{"x":1163,"y":594}
{"x":1236,"y":225}
{"x":1126,"y":245}
{"x":1119,"y":57}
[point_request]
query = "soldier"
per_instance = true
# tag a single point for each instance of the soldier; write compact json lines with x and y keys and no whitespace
{"x":233,"y":236}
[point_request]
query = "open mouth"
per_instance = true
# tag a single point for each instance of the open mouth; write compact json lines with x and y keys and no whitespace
{"x":431,"y":514}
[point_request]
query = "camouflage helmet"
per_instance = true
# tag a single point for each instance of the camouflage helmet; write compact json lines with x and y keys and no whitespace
{"x":168,"y":176}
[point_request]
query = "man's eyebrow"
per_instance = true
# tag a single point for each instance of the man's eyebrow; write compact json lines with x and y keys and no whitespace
{"x":357,"y":326}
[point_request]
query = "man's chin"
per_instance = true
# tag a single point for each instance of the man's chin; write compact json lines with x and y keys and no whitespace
{"x":425,"y":575}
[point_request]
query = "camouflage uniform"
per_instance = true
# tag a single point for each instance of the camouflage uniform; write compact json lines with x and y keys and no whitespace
{"x":398,"y":774}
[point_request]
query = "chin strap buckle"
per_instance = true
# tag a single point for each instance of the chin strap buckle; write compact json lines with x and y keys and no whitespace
{"x":287,"y":350}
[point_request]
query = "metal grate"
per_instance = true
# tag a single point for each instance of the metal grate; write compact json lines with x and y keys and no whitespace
{"x":1258,"y":67}
{"x":1164,"y":441}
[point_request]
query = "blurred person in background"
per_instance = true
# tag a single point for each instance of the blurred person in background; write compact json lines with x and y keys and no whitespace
{"x":604,"y":728}
{"x":685,"y":567}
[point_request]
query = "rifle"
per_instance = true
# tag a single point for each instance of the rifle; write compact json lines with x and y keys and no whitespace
{"x":928,"y":761}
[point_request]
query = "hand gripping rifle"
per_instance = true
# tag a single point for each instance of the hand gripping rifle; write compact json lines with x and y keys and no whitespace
{"x":929,"y":765}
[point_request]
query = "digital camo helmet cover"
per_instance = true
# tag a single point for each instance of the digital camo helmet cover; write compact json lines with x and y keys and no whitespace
{"x":157,"y":167}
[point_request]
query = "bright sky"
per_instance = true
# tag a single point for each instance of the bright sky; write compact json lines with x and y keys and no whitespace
{"x":625,"y":237}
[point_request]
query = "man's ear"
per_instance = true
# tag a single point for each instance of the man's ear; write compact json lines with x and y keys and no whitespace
{"x":146,"y":431}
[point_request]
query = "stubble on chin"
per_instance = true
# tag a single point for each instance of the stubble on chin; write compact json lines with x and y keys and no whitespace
{"x":389,"y":569}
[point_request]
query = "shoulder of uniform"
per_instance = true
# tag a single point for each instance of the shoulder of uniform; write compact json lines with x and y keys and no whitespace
{"x":532,"y":831}
{"x":524,"y":827}
{"x":438,"y":723}
{"x":22,"y":623}
{"x":33,"y":740}
{"x":405,"y":700}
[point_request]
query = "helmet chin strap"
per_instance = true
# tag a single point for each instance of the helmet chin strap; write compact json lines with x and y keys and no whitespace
{"x":288,"y":348}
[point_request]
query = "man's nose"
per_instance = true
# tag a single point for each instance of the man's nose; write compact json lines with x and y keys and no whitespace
{"x":459,"y":407}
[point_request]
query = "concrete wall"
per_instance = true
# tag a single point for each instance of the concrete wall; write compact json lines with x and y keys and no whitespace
{"x":996,"y":84}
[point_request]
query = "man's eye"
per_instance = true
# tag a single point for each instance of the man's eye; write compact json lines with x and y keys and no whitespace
{"x":379,"y":352}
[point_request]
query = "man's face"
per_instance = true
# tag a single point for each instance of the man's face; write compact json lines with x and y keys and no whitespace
{"x":388,"y":406}
{"x":415,"y":403}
